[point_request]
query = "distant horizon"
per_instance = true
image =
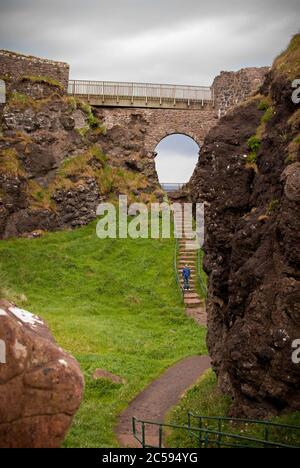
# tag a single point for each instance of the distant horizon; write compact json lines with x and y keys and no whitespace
{"x":177,"y":156}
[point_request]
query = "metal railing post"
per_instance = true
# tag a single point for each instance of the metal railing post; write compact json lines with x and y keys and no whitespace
{"x":143,"y":434}
{"x":266,"y":436}
{"x":219,"y":435}
{"x":160,"y":443}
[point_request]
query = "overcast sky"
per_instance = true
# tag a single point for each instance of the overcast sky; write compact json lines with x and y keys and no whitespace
{"x":177,"y":156}
{"x":162,"y":41}
{"x":177,"y":41}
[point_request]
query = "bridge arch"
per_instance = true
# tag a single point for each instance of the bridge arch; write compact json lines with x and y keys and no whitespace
{"x":132,"y":134}
{"x":176,"y":157}
{"x":184,"y":134}
{"x":165,"y":122}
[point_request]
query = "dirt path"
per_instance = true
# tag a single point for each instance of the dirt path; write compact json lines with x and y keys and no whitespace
{"x":158,"y":398}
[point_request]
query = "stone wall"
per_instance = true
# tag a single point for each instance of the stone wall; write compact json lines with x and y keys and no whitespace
{"x":14,"y":66}
{"x":159,"y":123}
{"x":231,"y":87}
{"x":42,"y":128}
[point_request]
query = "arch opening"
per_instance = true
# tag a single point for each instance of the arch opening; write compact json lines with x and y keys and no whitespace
{"x":176,"y":159}
{"x":2,"y":92}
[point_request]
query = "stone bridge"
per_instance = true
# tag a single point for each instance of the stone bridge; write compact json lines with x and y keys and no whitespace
{"x":167,"y":109}
{"x":164,"y":109}
{"x":160,"y":123}
{"x":136,"y":116}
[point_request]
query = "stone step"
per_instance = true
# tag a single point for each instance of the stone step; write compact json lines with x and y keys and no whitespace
{"x":183,"y":240}
{"x":191,"y":295}
{"x":184,"y":251}
{"x":189,"y":252}
{"x":188,"y":244}
{"x":190,"y":258}
{"x":192,"y":303}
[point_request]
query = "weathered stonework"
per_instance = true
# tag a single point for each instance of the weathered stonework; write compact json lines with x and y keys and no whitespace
{"x":231,"y":87}
{"x":14,"y":66}
{"x":156,"y":124}
{"x":43,"y":128}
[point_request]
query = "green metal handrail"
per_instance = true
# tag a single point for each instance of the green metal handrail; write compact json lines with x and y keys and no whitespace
{"x":267,"y":425}
{"x":202,"y":434}
{"x":176,"y":270}
{"x":243,"y":421}
{"x":199,"y":277}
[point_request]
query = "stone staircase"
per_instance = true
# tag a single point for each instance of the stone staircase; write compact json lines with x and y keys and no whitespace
{"x":194,"y":304}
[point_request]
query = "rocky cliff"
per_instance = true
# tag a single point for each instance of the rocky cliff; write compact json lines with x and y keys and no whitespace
{"x":57,"y":159}
{"x":248,"y":175}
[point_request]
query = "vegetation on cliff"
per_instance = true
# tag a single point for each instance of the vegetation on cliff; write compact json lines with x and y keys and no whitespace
{"x":249,"y":173}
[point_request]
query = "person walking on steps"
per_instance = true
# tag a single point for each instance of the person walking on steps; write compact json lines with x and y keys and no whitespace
{"x":186,"y":274}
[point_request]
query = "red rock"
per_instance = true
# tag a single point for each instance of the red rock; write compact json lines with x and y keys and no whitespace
{"x":41,"y":386}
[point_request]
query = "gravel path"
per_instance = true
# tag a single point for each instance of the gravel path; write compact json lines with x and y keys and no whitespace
{"x":159,"y":397}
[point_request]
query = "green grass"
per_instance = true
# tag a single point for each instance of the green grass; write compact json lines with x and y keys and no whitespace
{"x":288,"y":63}
{"x":273,"y":206}
{"x":10,"y":164}
{"x":114,"y":305}
{"x":43,"y":80}
{"x":206,"y":400}
{"x":253,"y":144}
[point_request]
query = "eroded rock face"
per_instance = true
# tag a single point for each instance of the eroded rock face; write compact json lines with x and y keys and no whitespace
{"x":40,"y":385}
{"x":42,"y":129}
{"x":252,"y":250}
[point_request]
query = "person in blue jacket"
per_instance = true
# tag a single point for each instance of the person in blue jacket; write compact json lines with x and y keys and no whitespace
{"x":186,"y":274}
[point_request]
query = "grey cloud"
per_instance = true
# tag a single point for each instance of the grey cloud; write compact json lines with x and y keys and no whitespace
{"x":150,"y":40}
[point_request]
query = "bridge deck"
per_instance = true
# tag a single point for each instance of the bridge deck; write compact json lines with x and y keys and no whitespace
{"x":109,"y":93}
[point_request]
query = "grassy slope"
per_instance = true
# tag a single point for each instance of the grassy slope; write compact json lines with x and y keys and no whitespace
{"x":114,"y":305}
{"x":205,"y":399}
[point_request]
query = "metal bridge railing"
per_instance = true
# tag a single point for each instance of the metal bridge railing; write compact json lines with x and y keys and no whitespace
{"x":204,"y":436}
{"x":145,"y":91}
{"x":171,"y":187}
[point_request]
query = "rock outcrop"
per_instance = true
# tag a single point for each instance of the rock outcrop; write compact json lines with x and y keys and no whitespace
{"x":60,"y":157}
{"x":248,"y":175}
{"x":58,"y":160}
{"x":40,"y":385}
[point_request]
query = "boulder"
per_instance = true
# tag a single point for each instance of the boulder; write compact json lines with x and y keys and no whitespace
{"x":41,"y":386}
